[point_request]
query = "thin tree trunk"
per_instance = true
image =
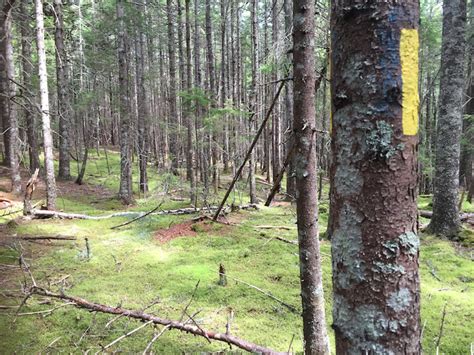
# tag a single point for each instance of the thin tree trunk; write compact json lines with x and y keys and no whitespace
{"x":304,"y":123}
{"x":253,"y":99}
{"x":43,"y":83}
{"x":173,"y":112}
{"x":125,"y":190}
{"x":445,"y":219}
{"x":63,"y":97}
{"x":373,"y":221}
{"x":27,"y":72}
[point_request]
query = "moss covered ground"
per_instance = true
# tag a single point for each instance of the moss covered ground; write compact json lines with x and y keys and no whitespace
{"x":132,"y":268}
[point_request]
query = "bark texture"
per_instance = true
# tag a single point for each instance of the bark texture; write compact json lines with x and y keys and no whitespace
{"x":304,"y":125}
{"x":61,"y":84}
{"x":125,"y":190}
{"x":373,"y":222}
{"x":445,"y":219}
{"x":44,"y":97}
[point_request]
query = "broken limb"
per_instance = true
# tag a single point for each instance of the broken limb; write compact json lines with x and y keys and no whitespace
{"x":171,"y":324}
{"x":277,"y":183}
{"x":249,"y":152}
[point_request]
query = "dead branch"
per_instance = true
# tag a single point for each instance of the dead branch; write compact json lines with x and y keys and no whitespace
{"x":127,"y":335}
{"x":181,"y":211}
{"x":172,"y":324}
{"x":276,"y":227}
{"x":30,"y":188}
{"x":137,"y":218}
{"x":464,"y":217}
{"x":47,"y":237}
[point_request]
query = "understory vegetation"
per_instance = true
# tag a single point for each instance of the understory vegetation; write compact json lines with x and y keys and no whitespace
{"x":145,"y":266}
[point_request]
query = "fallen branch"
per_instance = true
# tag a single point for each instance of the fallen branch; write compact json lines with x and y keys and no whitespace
{"x":266,"y":293}
{"x":171,"y":324}
{"x":137,"y":218}
{"x":464,"y":217}
{"x":47,"y":237}
{"x":276,"y":227}
{"x":181,"y":211}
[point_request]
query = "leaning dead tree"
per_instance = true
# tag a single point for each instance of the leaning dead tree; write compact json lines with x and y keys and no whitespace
{"x":145,"y":317}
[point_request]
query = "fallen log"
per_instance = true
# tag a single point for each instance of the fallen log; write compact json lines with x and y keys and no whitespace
{"x":144,"y":317}
{"x":181,"y":211}
{"x":464,"y":217}
{"x":46,"y":237}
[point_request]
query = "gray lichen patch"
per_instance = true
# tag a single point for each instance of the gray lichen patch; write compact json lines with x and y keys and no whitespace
{"x":348,"y":179}
{"x":347,"y":244}
{"x":379,"y":141}
{"x":410,"y":242}
{"x":388,"y":268}
{"x":400,"y":300}
{"x":363,"y":326}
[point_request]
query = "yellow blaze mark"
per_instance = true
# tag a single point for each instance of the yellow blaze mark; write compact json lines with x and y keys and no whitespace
{"x":409,"y":45}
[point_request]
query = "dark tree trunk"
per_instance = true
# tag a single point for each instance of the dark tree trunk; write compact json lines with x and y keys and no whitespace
{"x":173,"y":111}
{"x":314,"y":320}
{"x":445,"y":219}
{"x":125,"y":190}
{"x":63,"y":97}
{"x":253,"y":97}
{"x":373,"y":222}
{"x":276,"y":136}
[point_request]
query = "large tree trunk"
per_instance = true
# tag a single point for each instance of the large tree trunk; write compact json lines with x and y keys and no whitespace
{"x":125,"y":191}
{"x":27,"y":72}
{"x":9,"y":90}
{"x":63,"y":97}
{"x":445,"y":219}
{"x":44,"y":96}
{"x":314,"y":320}
{"x":373,"y":222}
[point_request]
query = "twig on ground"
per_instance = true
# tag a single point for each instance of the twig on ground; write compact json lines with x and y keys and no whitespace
{"x":155,"y":338}
{"x":190,"y":300}
{"x":438,"y":341}
{"x":126,"y":335}
{"x":47,"y":311}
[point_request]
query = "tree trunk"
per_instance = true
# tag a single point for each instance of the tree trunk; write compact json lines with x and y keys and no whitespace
{"x":290,"y":179}
{"x":27,"y":72}
{"x":445,"y":219}
{"x":9,"y":90}
{"x":253,"y":98}
{"x":125,"y":190}
{"x":316,"y":340}
{"x":276,"y":136}
{"x":61,"y":84}
{"x":43,"y":83}
{"x":173,"y":112}
{"x":373,"y":222}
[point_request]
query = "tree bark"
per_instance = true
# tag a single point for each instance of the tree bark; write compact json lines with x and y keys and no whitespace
{"x":373,"y":221}
{"x":63,"y":97}
{"x":253,"y":98}
{"x":445,"y":219}
{"x":316,"y":340}
{"x":27,"y":72}
{"x":9,"y":93}
{"x":44,"y":96}
{"x":125,"y":190}
{"x":173,"y":112}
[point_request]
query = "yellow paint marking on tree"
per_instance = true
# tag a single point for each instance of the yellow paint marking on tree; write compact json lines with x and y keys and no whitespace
{"x":409,"y":45}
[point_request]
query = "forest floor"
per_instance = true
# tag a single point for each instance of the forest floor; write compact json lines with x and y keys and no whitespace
{"x":156,"y":262}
